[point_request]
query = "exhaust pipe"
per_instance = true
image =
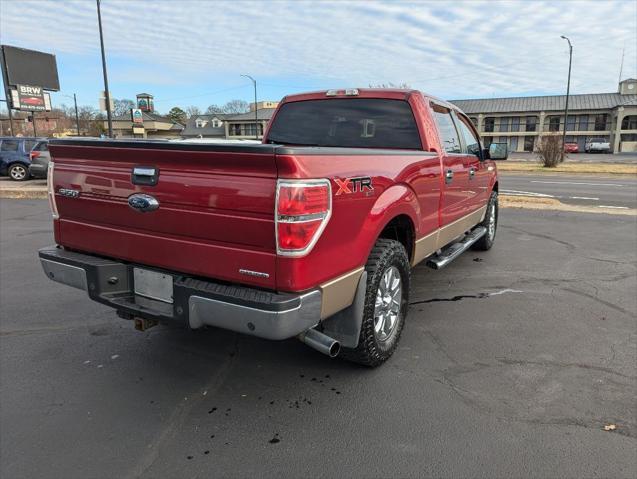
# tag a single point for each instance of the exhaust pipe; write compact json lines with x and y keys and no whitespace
{"x":321,"y":342}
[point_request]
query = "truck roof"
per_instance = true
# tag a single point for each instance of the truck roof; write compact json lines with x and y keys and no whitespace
{"x":389,"y":93}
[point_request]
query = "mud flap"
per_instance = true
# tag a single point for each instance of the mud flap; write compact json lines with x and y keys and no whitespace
{"x":345,"y":326}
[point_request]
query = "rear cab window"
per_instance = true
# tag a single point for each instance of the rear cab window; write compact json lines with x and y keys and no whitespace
{"x":346,"y":122}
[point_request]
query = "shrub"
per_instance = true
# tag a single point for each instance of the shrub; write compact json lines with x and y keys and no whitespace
{"x":549,"y":150}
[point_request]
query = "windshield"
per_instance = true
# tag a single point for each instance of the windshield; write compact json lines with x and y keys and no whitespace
{"x":346,"y":122}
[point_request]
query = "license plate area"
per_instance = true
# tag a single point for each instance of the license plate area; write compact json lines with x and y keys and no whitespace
{"x":153,"y":285}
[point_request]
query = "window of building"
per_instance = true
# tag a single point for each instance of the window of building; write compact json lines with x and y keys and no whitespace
{"x":504,"y":124}
{"x":629,"y":137}
{"x":582,"y":123}
{"x":529,"y":143}
{"x":531,"y":123}
{"x":554,"y":123}
{"x":216,"y":123}
{"x":513,"y":143}
{"x":474,"y":120}
{"x":515,"y":123}
{"x":235,"y":129}
{"x":449,"y":137}
{"x":9,"y":145}
{"x":600,"y":122}
{"x":489,"y":124}
{"x":200,"y":123}
{"x":487,"y":140}
{"x":629,"y":123}
{"x":570,"y":123}
{"x":471,"y":143}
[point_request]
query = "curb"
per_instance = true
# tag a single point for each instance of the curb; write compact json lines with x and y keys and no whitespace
{"x":39,"y":194}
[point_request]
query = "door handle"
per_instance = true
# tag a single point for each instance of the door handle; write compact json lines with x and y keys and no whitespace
{"x":449,"y":176}
{"x":472,"y":173}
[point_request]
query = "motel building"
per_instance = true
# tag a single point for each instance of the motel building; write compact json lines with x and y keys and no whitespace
{"x":521,"y":121}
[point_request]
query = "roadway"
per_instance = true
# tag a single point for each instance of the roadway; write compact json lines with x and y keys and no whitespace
{"x":619,"y":192}
{"x":511,"y":363}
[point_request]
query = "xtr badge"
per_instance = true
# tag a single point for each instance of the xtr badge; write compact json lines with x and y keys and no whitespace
{"x":353,"y":185}
{"x":143,"y":203}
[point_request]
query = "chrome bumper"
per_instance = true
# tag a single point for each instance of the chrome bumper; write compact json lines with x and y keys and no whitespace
{"x":195,"y":302}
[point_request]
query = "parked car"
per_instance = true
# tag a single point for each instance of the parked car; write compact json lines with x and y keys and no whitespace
{"x":571,"y":148}
{"x":39,"y":157}
{"x":598,"y":145}
{"x":14,"y":156}
{"x":311,"y":234}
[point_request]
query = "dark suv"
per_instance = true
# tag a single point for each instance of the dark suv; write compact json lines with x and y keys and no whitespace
{"x":14,"y":156}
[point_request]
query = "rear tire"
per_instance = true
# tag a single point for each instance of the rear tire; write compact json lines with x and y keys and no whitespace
{"x":490,"y":222}
{"x":386,"y":303}
{"x":18,"y":172}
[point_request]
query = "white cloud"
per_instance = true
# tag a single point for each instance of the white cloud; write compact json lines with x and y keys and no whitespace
{"x":452,"y":49}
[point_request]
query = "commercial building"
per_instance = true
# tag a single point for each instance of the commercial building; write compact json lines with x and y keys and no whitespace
{"x":521,"y":121}
{"x":152,"y":126}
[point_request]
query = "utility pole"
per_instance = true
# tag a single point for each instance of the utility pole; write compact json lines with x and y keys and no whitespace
{"x":77,"y":116}
{"x":568,"y":90}
{"x":35,"y":133}
{"x":256,"y":114}
{"x":106,"y":92}
{"x":10,"y":116}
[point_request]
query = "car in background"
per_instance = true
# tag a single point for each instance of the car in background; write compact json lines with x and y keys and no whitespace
{"x":597,"y":145}
{"x":14,"y":156}
{"x":571,"y":148}
{"x":40,"y":158}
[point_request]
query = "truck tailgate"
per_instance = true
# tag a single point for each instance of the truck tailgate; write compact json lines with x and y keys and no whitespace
{"x":215,"y":215}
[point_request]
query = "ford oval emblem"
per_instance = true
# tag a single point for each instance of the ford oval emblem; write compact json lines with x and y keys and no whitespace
{"x":143,"y":203}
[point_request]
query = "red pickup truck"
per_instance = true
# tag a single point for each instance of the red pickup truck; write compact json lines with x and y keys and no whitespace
{"x":311,"y":234}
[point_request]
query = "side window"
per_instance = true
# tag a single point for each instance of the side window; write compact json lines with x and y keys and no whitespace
{"x":28,"y":145}
{"x":44,"y":146}
{"x":448,"y":134}
{"x":9,"y":145}
{"x":472,"y":145}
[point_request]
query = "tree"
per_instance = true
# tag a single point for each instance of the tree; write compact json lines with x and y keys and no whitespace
{"x":212,"y":109}
{"x":549,"y":149}
{"x":390,"y":85}
{"x":177,"y":115}
{"x":122,"y":107}
{"x":193,"y":111}
{"x":236,"y":106}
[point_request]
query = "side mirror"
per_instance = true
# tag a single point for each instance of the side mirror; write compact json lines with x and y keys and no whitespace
{"x":498,"y":151}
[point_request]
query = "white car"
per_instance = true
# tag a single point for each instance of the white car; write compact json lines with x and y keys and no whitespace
{"x":598,"y":145}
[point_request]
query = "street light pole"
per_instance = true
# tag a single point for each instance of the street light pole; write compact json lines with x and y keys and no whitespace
{"x":106,"y":93}
{"x":568,"y":90}
{"x":256,"y":114}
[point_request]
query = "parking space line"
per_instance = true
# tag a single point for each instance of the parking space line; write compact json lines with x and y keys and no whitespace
{"x":574,"y":183}
{"x":583,"y":198}
{"x":613,"y":207}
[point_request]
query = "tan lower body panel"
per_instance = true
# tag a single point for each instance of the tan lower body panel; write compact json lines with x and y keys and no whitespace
{"x":338,"y":293}
{"x":429,"y":244}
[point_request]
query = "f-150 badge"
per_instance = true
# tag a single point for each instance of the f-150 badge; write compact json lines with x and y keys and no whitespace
{"x":353,"y":185}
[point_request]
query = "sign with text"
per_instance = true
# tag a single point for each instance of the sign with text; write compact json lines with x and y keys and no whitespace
{"x":31,"y":98}
{"x":137,"y":116}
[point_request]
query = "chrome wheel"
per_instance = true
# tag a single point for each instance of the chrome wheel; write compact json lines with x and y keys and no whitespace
{"x":388,"y":303}
{"x":492,"y":221}
{"x":18,"y":172}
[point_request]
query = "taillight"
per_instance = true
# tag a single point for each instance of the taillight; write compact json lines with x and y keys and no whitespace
{"x":303,"y":208}
{"x":34,"y":154}
{"x":51,"y":191}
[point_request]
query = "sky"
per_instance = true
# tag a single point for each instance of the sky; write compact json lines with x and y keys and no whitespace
{"x":193,"y":52}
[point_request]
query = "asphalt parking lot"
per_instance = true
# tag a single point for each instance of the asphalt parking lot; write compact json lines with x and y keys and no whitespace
{"x":510,"y":365}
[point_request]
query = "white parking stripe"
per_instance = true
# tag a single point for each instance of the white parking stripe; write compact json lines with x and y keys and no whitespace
{"x":575,"y":183}
{"x":613,"y":207}
{"x":583,"y":198}
{"x":527,"y":193}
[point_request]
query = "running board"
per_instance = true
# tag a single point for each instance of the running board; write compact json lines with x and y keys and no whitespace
{"x":447,"y":255}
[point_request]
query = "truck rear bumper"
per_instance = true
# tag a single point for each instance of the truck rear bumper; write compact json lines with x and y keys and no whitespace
{"x":195,"y":302}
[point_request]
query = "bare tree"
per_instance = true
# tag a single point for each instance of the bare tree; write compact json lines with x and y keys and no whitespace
{"x":123,"y":106}
{"x":212,"y":109}
{"x":549,"y":149}
{"x":236,"y":106}
{"x":193,"y":111}
{"x":402,"y":85}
